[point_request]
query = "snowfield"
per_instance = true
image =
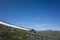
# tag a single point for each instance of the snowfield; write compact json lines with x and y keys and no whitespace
{"x":4,"y":23}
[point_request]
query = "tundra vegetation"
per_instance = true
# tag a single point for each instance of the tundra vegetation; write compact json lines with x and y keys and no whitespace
{"x":9,"y":33}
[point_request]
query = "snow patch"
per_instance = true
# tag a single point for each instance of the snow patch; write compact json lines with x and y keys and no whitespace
{"x":3,"y":23}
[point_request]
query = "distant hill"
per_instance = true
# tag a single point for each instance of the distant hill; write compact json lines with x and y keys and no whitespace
{"x":12,"y":33}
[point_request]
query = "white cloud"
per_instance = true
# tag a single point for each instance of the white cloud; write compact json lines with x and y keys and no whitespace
{"x":44,"y":24}
{"x":40,"y":26}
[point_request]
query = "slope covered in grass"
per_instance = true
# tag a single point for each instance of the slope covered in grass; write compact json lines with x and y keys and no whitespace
{"x":12,"y":33}
{"x":9,"y":33}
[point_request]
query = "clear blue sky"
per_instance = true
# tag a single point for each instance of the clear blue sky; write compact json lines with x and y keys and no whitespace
{"x":36,"y":14}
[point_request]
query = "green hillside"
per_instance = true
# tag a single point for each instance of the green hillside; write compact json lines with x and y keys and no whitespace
{"x":9,"y":33}
{"x":12,"y":33}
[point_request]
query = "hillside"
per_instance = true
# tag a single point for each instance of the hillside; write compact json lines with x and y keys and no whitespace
{"x":10,"y":33}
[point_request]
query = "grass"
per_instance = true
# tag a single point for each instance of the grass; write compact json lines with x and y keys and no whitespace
{"x":9,"y":33}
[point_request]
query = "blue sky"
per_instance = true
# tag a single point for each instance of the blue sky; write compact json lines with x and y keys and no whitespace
{"x":34,"y":14}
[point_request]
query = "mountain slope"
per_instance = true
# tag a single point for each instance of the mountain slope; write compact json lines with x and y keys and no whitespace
{"x":12,"y":33}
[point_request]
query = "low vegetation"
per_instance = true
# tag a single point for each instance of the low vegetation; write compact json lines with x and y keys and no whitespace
{"x":9,"y":33}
